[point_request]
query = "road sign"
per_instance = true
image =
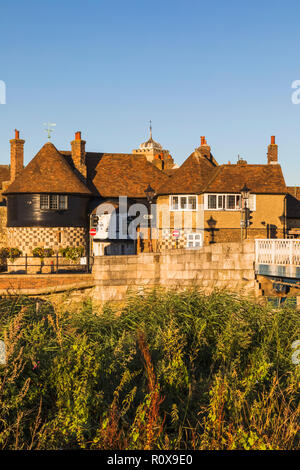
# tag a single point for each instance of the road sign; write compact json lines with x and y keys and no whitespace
{"x":93,"y":232}
{"x":176,"y":233}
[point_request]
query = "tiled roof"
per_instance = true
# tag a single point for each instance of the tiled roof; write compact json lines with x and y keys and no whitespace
{"x":293,"y":202}
{"x":191,"y":177}
{"x":4,"y":174}
{"x":48,"y":172}
{"x":294,"y":191}
{"x":170,"y":171}
{"x":259,"y":178}
{"x":113,"y":174}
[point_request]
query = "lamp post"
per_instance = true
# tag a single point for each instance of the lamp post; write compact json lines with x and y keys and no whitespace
{"x":245,"y":193}
{"x":212,"y":225}
{"x":150,"y":194}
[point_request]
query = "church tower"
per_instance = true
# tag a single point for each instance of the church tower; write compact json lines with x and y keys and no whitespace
{"x":155,"y":153}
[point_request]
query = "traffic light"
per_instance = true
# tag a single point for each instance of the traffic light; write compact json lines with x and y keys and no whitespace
{"x":94,"y":221}
{"x":248,"y":217}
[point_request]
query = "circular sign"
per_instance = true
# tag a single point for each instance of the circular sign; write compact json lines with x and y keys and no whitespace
{"x":176,"y":233}
{"x":93,"y":232}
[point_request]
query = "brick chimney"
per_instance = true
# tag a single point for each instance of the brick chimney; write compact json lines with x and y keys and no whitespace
{"x":272,"y":152}
{"x":16,"y":156}
{"x":204,"y":149}
{"x":78,"y":155}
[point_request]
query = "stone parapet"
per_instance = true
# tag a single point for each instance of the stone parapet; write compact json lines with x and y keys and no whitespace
{"x":224,"y":266}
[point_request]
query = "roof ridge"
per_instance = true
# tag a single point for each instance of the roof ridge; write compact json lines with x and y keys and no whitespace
{"x":216,"y":173}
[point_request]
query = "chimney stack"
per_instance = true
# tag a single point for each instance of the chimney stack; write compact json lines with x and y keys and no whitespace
{"x":78,"y":155}
{"x":204,"y":148}
{"x":272,"y":152}
{"x":16,"y":156}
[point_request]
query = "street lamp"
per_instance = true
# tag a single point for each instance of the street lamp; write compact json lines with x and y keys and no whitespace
{"x":212,"y":225}
{"x":150,"y":194}
{"x":245,"y":194}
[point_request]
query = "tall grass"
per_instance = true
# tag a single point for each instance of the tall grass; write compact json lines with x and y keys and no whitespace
{"x":170,"y":371}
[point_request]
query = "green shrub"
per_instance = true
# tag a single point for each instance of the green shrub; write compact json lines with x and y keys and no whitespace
{"x":72,"y":253}
{"x":167,"y":371}
{"x":40,"y":252}
{"x":9,"y":253}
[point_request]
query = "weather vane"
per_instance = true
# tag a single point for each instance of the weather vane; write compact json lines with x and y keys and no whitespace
{"x":150,"y":129}
{"x":49,"y":130}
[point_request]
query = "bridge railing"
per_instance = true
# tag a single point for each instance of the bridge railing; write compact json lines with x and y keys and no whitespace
{"x":277,"y":252}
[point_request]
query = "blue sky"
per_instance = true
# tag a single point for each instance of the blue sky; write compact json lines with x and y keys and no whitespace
{"x":219,"y":69}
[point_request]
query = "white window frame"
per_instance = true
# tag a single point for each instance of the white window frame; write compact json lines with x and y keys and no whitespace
{"x":224,"y":196}
{"x":179,"y":198}
{"x":196,"y":238}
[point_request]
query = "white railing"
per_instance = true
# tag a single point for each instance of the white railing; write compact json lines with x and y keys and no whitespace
{"x":277,"y":251}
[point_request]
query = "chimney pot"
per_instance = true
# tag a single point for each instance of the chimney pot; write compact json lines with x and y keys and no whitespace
{"x":273,"y":140}
{"x":78,"y":135}
{"x":17,"y":134}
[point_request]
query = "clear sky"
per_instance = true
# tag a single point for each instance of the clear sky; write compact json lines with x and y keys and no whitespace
{"x":222,"y":69}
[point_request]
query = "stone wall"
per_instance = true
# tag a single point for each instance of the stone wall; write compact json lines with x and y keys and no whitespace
{"x":224,"y":265}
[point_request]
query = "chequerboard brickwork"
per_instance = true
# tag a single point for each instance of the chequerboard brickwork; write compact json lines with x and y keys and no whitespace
{"x":166,"y":240}
{"x":28,"y":238}
{"x":3,"y":219}
{"x":171,"y":243}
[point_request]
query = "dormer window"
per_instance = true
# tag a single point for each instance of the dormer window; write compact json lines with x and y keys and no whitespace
{"x":53,"y":202}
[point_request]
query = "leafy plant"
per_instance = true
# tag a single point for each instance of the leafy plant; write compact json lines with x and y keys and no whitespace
{"x":42,"y":253}
{"x":9,"y":253}
{"x":72,"y":253}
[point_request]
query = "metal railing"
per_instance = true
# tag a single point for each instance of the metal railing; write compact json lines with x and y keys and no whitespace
{"x":49,"y":265}
{"x":277,"y":252}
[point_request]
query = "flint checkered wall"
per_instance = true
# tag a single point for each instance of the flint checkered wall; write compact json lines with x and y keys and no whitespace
{"x":28,"y":238}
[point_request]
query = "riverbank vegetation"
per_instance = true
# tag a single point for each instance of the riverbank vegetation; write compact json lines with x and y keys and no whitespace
{"x":169,"y":371}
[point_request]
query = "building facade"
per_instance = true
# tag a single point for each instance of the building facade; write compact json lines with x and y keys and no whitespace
{"x":61,"y":195}
{"x":202,"y":203}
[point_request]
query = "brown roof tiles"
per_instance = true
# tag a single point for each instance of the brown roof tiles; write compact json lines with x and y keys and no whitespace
{"x":48,"y":172}
{"x":4,"y":174}
{"x":113,"y":175}
{"x":191,"y":177}
{"x":259,"y":178}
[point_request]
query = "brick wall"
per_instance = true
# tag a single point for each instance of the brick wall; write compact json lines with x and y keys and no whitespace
{"x":266,"y":222}
{"x":43,"y":283}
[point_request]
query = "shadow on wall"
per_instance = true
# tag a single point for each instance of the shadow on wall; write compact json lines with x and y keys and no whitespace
{"x":271,"y":231}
